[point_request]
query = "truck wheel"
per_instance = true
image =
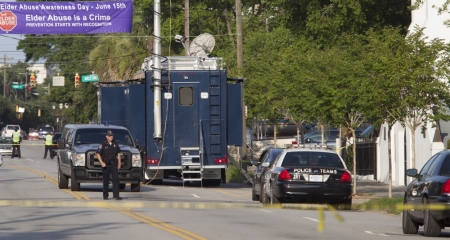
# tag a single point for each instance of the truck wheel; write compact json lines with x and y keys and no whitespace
{"x":63,"y":182}
{"x":215,"y":182}
{"x":122,"y":186}
{"x":74,"y":185}
{"x":136,"y":187}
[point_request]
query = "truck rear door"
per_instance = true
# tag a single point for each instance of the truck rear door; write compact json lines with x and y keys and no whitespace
{"x":186,"y":114}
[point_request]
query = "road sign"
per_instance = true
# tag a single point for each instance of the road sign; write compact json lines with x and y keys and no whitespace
{"x":17,"y":86}
{"x":8,"y":21}
{"x":89,"y":78}
{"x":58,"y":81}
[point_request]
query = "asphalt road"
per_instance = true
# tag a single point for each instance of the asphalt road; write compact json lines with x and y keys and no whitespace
{"x":33,"y":207}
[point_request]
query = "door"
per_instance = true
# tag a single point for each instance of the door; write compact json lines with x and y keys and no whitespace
{"x":65,"y":154}
{"x":186,"y":114}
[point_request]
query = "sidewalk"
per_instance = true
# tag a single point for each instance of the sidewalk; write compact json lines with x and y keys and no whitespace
{"x":368,"y":189}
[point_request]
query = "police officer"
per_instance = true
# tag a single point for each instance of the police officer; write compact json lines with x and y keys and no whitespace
{"x":48,"y":145}
{"x":108,"y":154}
{"x":16,"y":138}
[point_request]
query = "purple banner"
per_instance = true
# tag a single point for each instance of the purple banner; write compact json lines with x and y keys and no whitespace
{"x":65,"y":17}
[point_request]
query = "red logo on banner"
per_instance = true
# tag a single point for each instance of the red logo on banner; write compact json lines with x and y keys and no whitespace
{"x":8,"y":21}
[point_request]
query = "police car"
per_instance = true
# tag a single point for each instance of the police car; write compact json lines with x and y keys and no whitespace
{"x":307,"y":175}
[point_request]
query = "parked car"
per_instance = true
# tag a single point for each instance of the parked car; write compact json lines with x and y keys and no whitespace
{"x":308,"y":175}
{"x":5,"y":146}
{"x":9,"y":130}
{"x":56,"y":136}
{"x":431,"y":187}
{"x":261,"y":167}
{"x":24,"y":135}
{"x":43,"y":130}
{"x":34,"y":135}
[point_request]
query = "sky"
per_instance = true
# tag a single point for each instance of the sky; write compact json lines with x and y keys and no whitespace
{"x":8,"y":44}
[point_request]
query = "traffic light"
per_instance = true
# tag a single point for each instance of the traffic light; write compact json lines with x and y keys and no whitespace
{"x":32,"y":80}
{"x":7,"y":89}
{"x":77,"y":80}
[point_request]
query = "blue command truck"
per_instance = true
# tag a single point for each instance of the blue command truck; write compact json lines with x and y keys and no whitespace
{"x":184,"y":122}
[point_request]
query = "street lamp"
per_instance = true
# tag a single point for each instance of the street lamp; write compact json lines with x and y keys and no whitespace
{"x":57,"y":119}
{"x":66,"y":105}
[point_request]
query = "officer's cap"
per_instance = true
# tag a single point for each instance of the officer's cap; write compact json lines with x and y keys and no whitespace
{"x":109,"y":133}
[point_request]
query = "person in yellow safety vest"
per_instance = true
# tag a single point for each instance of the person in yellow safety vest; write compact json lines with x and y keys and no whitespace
{"x":16,"y":138}
{"x":48,"y":144}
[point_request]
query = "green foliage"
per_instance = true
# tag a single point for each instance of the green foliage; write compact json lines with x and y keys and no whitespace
{"x":447,"y":146}
{"x":234,"y":175}
{"x":381,"y":204}
{"x":349,"y":158}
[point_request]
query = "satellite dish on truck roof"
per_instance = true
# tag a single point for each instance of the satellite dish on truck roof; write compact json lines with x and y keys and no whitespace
{"x":202,"y":45}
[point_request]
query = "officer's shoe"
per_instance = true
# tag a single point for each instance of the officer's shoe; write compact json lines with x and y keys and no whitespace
{"x":105,"y":198}
{"x":118,"y":198}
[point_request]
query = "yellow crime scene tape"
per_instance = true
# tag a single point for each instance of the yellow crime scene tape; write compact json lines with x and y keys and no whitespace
{"x":123,"y":207}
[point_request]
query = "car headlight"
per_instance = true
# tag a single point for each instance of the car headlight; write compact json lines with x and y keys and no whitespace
{"x":80,"y":159}
{"x":136,"y":160}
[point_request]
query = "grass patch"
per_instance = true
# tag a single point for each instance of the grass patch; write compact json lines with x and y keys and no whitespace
{"x":381,"y":204}
{"x":234,"y":175}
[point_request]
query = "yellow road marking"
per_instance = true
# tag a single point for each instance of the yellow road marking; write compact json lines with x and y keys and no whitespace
{"x":184,"y":234}
{"x":231,"y":194}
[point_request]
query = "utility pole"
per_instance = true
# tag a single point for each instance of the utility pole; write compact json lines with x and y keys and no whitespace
{"x":186,"y":24}
{"x":4,"y":74}
{"x":240,"y":65}
{"x":239,"y":41}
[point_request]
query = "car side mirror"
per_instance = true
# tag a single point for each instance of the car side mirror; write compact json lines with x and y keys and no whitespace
{"x":254,"y":162}
{"x":265,"y":164}
{"x":61,"y":143}
{"x":137,"y":143}
{"x":411,"y":172}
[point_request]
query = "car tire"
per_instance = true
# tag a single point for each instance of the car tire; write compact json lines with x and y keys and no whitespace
{"x":74,"y":185}
{"x":273,"y":198}
{"x":254,"y":196}
{"x":345,"y":204}
{"x":263,"y":197}
{"x":122,"y":186}
{"x":431,"y":228}
{"x":136,"y":187}
{"x":63,"y":181}
{"x":408,"y":225}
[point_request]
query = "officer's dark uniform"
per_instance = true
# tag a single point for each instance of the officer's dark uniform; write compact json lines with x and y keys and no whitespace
{"x":108,"y":153}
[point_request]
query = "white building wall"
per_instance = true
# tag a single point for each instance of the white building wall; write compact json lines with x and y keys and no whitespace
{"x":427,"y":17}
{"x":40,"y":72}
{"x":382,"y":174}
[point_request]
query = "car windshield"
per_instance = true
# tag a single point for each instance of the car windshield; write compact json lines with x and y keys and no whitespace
{"x":274,"y":154}
{"x":97,"y":136}
{"x":301,"y":159}
{"x":13,"y":127}
{"x":46,"y":129}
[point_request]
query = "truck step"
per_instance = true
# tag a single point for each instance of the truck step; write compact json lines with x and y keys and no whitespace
{"x":192,"y":172}
{"x":191,"y":179}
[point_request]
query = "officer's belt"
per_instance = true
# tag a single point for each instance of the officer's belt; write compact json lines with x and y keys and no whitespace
{"x":110,"y":162}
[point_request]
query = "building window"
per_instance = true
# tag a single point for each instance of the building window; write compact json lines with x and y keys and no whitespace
{"x":186,"y":96}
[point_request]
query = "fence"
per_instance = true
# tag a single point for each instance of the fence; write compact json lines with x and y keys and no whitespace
{"x":366,"y":157}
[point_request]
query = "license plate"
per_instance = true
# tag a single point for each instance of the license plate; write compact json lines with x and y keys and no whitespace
{"x":315,"y":178}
